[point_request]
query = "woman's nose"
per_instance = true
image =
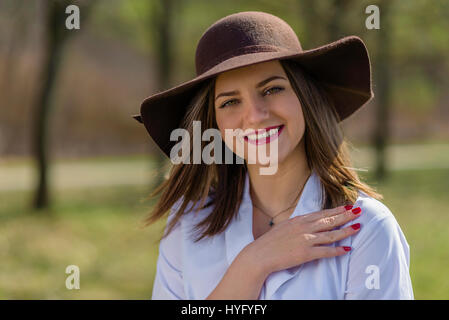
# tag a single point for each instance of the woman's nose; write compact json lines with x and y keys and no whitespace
{"x":256,"y":112}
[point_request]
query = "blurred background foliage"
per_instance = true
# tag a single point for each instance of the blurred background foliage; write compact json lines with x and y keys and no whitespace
{"x":101,"y":164}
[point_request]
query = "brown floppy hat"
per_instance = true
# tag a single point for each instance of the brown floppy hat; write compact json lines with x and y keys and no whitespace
{"x":241,"y":39}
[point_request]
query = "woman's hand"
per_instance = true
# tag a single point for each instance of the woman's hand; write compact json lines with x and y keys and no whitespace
{"x":298,"y":240}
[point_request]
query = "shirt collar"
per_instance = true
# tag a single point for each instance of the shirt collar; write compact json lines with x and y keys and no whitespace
{"x":239,"y":232}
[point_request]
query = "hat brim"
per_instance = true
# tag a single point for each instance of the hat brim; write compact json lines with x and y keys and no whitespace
{"x":343,"y":68}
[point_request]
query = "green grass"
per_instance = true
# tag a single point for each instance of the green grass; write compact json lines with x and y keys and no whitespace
{"x":99,"y":230}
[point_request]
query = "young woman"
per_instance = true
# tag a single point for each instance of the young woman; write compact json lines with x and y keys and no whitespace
{"x":309,"y":230}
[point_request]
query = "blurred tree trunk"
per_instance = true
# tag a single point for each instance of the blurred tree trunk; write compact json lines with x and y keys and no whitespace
{"x":313,"y":33}
{"x":162,"y":24}
{"x":55,"y":33}
{"x":323,"y":26}
{"x":335,"y":27}
{"x":382,"y":77}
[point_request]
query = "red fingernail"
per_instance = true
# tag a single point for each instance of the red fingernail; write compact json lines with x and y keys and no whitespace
{"x":349,"y":207}
{"x":356,"y":226}
{"x":356,"y":210}
{"x":347,"y":248}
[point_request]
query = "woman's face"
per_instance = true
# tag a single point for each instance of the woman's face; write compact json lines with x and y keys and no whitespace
{"x":257,"y":97}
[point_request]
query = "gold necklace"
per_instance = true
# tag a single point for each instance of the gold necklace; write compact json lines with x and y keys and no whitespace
{"x":271,"y":223}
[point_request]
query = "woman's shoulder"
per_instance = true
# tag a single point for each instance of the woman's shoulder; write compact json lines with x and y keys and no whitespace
{"x":192,"y":211}
{"x":187,"y":224}
{"x":372,"y":209}
{"x":377,"y":220}
{"x":380,"y":255}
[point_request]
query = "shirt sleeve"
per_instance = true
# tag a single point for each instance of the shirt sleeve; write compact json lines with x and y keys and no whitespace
{"x":168,"y":282}
{"x":379,"y":263}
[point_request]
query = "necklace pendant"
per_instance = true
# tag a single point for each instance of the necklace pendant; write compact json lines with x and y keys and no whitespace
{"x":271,"y":223}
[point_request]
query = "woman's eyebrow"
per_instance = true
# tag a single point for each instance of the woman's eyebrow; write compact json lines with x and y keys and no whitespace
{"x":260,"y":84}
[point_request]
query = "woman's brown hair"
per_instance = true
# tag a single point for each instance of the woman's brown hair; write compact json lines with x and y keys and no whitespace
{"x":326,"y":151}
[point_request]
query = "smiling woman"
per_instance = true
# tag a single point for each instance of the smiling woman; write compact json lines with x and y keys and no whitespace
{"x":233,"y":233}
{"x":260,"y":108}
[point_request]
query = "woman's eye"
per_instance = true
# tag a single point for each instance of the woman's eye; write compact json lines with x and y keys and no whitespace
{"x":226,"y":103}
{"x":273,"y":88}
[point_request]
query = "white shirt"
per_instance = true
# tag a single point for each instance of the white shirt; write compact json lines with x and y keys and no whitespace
{"x":377,"y":267}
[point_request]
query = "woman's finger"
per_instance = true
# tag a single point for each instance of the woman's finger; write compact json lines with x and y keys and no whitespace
{"x":319,"y":252}
{"x":329,"y":223}
{"x":309,"y":217}
{"x":335,"y":235}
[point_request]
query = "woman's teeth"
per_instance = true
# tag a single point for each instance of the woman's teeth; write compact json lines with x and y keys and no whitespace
{"x":267,"y":133}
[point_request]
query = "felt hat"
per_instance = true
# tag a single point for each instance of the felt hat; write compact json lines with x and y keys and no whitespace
{"x":245,"y":38}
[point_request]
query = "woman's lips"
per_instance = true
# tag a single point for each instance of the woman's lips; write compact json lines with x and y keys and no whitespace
{"x":267,"y":139}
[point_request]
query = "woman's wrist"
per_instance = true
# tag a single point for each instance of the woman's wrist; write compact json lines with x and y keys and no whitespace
{"x":257,"y":265}
{"x":243,"y":279}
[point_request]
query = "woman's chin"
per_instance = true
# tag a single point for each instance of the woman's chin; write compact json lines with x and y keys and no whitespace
{"x":268,"y":160}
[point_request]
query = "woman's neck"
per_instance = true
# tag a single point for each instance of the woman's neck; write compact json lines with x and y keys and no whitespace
{"x":274,"y":193}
